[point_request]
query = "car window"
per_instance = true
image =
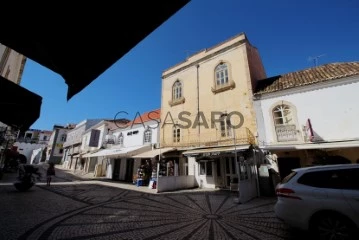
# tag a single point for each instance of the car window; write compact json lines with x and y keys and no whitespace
{"x":335,"y":179}
{"x":289,"y":177}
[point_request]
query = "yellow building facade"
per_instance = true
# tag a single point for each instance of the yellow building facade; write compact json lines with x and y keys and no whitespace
{"x":201,"y":94}
{"x":207,"y":105}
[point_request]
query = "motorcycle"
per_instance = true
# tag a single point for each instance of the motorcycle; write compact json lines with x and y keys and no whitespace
{"x":27,"y":176}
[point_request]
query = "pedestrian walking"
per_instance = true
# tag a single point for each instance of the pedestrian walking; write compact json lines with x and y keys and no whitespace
{"x":50,"y":172}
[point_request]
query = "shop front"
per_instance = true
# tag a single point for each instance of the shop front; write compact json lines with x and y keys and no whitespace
{"x":291,"y":156}
{"x":153,"y":166}
{"x":229,"y":167}
{"x":119,"y":162}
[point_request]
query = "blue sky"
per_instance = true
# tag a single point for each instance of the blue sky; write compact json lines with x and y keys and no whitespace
{"x":286,"y":33}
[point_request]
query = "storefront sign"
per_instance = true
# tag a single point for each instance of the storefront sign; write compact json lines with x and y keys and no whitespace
{"x":211,"y":154}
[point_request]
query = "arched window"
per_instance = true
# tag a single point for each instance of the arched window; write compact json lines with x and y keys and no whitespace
{"x":221,"y":73}
{"x":225,"y":126}
{"x":147,"y":136}
{"x":177,"y":90}
{"x":282,"y":115}
{"x":285,"y":123}
{"x":176,"y":133}
{"x":120,"y":139}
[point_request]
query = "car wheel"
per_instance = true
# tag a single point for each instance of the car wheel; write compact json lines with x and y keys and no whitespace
{"x":332,"y":226}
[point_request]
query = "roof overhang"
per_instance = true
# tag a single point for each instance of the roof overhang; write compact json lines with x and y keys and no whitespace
{"x":80,"y":42}
{"x":308,"y":146}
{"x":19,"y":107}
{"x":120,"y":152}
{"x":154,"y":152}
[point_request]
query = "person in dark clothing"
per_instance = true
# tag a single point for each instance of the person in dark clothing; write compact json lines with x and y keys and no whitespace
{"x":50,"y":172}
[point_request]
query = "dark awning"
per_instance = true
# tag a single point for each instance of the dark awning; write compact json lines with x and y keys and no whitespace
{"x":81,"y":41}
{"x":19,"y":107}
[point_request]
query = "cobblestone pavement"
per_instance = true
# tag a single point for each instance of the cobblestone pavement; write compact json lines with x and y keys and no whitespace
{"x":89,"y":210}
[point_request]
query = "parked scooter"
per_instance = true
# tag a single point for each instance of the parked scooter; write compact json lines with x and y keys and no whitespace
{"x":28,"y":174}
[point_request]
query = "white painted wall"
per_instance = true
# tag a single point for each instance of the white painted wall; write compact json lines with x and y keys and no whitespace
{"x":74,"y":136}
{"x":333,"y":110}
{"x":27,"y":148}
{"x":87,"y":135}
{"x":44,"y":137}
{"x":172,"y":183}
{"x":138,"y":139}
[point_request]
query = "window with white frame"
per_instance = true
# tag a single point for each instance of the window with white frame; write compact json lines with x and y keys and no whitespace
{"x":120,"y":139}
{"x":282,"y":115}
{"x":177,"y":90}
{"x":221,"y":73}
{"x":147,"y":136}
{"x":176,"y":133}
{"x":284,"y":123}
{"x":225,"y":126}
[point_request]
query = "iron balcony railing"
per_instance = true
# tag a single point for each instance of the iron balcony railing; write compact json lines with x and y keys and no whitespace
{"x":215,"y":138}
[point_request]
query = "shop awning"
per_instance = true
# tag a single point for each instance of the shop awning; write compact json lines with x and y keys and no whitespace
{"x":19,"y":107}
{"x":81,"y":42}
{"x":307,"y":146}
{"x":216,"y":150}
{"x":90,"y":153}
{"x":121,"y":152}
{"x":153,"y":153}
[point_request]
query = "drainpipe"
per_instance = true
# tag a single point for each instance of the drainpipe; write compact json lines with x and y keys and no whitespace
{"x":199,"y":126}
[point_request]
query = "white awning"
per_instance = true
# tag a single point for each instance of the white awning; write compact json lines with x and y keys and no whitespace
{"x":153,"y":153}
{"x":90,"y":153}
{"x":216,"y":150}
{"x":120,"y":152}
{"x":327,"y":145}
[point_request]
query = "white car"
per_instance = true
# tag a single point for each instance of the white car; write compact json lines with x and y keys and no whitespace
{"x":321,"y":199}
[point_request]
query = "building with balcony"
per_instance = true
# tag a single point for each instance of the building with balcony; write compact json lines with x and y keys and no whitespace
{"x":310,"y":116}
{"x":129,"y":146}
{"x":97,"y":137}
{"x":207,"y":113}
{"x":72,"y":144}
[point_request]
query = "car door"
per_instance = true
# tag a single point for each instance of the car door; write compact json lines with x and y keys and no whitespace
{"x":350,"y":189}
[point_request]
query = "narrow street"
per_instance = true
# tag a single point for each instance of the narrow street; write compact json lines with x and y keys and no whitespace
{"x":74,"y":209}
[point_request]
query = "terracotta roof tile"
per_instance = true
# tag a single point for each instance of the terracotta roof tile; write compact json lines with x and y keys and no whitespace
{"x":147,"y":116}
{"x":308,"y":76}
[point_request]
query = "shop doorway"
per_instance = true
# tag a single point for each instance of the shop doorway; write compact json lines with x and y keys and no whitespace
{"x":206,"y":177}
{"x":231,"y":173}
{"x":285,"y":165}
{"x":129,"y":170}
{"x":116,"y":169}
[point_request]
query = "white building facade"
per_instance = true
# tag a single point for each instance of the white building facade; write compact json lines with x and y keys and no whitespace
{"x":118,"y":160}
{"x":72,"y":145}
{"x":311,"y":116}
{"x":94,"y":139}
